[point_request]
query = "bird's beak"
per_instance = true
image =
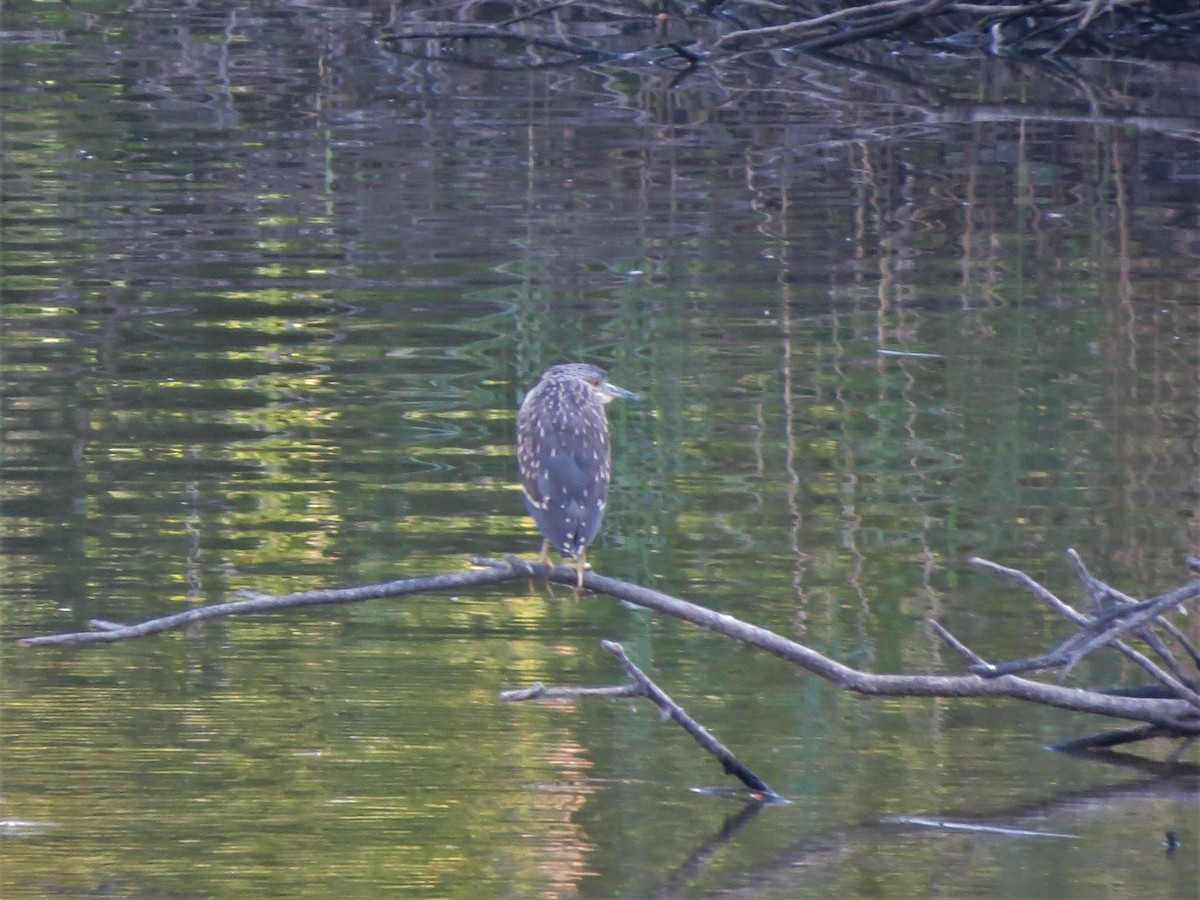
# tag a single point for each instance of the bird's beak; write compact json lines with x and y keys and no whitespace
{"x":610,"y":392}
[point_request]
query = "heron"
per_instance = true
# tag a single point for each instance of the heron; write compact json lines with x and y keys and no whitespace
{"x":565,"y":458}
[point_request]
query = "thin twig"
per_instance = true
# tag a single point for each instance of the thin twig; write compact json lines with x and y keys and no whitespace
{"x":539,"y":691}
{"x":789,"y":30}
{"x":1020,"y":578}
{"x":955,"y":644}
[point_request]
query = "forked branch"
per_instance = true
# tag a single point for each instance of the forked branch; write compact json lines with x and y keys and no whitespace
{"x":644,"y":686}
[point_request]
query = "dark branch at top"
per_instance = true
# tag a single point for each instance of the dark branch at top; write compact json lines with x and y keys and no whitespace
{"x":627,"y":30}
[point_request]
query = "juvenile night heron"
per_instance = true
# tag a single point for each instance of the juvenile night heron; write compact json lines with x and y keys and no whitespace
{"x":564,"y":457}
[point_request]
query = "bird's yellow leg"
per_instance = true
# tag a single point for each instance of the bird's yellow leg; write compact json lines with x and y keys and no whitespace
{"x":545,"y":560}
{"x":580,"y":562}
{"x":549,"y":562}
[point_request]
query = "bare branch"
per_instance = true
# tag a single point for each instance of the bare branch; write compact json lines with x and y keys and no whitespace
{"x":1102,"y":593}
{"x":1020,"y":578}
{"x":1097,"y":633}
{"x":793,"y":29}
{"x":111,"y":632}
{"x":1174,"y":714}
{"x":1132,"y":618}
{"x":1099,"y":592}
{"x":731,"y":764}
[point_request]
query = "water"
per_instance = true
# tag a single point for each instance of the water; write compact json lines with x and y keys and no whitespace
{"x":272,"y":295}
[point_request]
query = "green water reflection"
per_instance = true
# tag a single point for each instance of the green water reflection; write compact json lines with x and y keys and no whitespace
{"x":271,"y":298}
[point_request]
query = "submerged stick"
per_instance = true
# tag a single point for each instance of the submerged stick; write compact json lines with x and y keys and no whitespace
{"x":947,"y":825}
{"x":539,"y":691}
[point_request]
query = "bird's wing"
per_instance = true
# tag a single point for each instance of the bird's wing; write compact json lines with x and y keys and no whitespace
{"x":565,"y":463}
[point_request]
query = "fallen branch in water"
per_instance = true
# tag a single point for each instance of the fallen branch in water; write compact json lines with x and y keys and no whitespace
{"x":1170,"y":705}
{"x":644,"y":686}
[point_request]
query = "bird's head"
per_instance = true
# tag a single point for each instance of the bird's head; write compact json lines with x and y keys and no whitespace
{"x":594,"y":377}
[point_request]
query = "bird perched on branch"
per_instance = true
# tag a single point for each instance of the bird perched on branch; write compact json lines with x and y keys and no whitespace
{"x":564,"y":456}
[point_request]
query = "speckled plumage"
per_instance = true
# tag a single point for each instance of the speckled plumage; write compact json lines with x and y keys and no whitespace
{"x":564,"y":455}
